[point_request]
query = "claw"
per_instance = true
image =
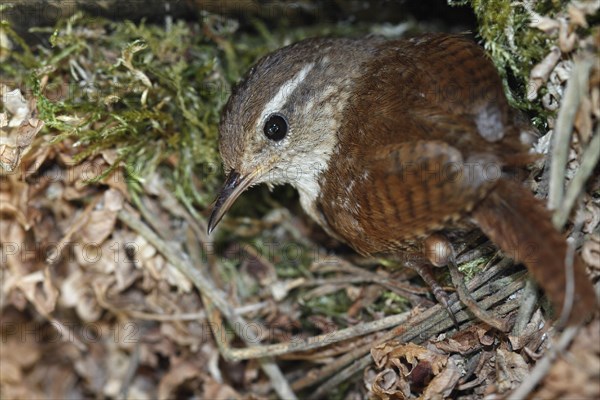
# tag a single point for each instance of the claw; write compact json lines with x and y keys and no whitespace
{"x":424,"y":270}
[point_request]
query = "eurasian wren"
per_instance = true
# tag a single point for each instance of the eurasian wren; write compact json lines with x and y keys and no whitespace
{"x":391,"y":143}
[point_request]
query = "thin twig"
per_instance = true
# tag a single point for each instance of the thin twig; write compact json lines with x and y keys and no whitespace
{"x":589,"y":159}
{"x":315,"y":376}
{"x":193,"y":218}
{"x":342,"y":265}
{"x":208,"y":291}
{"x":341,"y":376}
{"x":365,"y":361}
{"x":132,"y":367}
{"x":316,"y":342}
{"x":529,"y":300}
{"x":435,"y":318}
{"x":199,"y":316}
{"x":576,"y":87}
{"x":465,"y":296}
{"x":569,"y":299}
{"x":268,"y":365}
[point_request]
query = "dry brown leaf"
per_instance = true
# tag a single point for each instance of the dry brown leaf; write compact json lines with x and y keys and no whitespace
{"x":466,"y":341}
{"x":91,"y":367}
{"x":77,"y":292}
{"x":484,"y":335}
{"x":540,"y":73}
{"x":511,"y":369}
{"x":577,"y":16}
{"x":591,"y":217}
{"x":99,"y":226}
{"x":444,"y":383}
{"x":10,"y":373}
{"x":414,"y":353}
{"x":576,"y":374}
{"x":532,"y":332}
{"x":416,"y":366}
{"x":216,"y":390}
{"x":117,"y":180}
{"x":380,"y":353}
{"x":178,"y":374}
{"x":43,"y":296}
{"x":591,"y":251}
{"x":566,"y":38}
{"x":18,"y":353}
{"x":583,"y":120}
{"x":18,"y":140}
{"x":543,"y":23}
{"x":7,"y":208}
{"x":387,"y":385}
{"x":15,"y":104}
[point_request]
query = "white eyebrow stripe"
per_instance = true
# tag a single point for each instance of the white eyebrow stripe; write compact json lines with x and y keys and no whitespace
{"x":285,"y":91}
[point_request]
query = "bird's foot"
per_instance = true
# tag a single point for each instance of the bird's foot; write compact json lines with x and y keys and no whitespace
{"x":424,"y":270}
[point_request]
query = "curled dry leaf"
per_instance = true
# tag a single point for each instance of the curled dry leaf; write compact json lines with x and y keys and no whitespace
{"x":179,"y":373}
{"x":583,"y":120}
{"x":77,"y":292}
{"x":386,"y":385}
{"x":101,"y":223}
{"x":444,"y":383}
{"x":43,"y":296}
{"x":577,"y":16}
{"x":98,"y":227}
{"x":511,"y":369}
{"x":540,"y":73}
{"x":566,"y":38}
{"x":416,"y":366}
{"x":462,"y":342}
{"x":21,"y":355}
{"x":591,"y":217}
{"x":216,"y":390}
{"x":17,"y":141}
{"x":591,"y":251}
{"x":485,"y":337}
{"x":532,"y":332}
{"x":15,"y":104}
{"x":543,"y":23}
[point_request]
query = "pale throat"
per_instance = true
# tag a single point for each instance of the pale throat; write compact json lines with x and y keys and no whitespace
{"x":315,"y":140}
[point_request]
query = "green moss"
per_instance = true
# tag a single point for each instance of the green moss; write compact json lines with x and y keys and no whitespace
{"x":334,"y":305}
{"x":141,"y":90}
{"x":473,"y":267}
{"x":152,"y":94}
{"x":513,"y":45}
{"x":392,"y":303}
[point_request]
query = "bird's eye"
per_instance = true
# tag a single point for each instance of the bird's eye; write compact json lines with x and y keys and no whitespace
{"x":276,"y":127}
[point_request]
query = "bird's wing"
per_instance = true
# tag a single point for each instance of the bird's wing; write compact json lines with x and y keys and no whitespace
{"x":414,"y":188}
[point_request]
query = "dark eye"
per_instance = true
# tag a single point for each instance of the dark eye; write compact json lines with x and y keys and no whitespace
{"x":276,"y":127}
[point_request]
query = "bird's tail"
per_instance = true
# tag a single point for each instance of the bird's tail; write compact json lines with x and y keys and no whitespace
{"x":521,"y":226}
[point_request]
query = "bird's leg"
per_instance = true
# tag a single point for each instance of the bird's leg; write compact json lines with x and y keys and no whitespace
{"x":424,"y":270}
{"x":439,"y":251}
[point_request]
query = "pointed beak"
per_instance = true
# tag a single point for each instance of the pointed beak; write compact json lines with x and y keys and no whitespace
{"x":234,"y":185}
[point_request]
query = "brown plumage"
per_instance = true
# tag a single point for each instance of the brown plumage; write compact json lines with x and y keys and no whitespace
{"x":408,"y":139}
